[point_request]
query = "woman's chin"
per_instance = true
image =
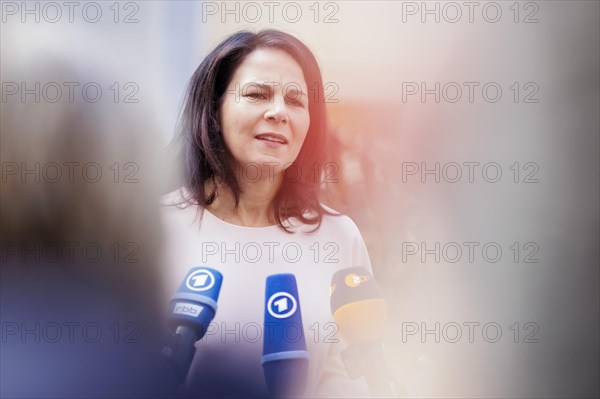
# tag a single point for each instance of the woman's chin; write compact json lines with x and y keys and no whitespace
{"x":269,"y":162}
{"x":260,"y":168}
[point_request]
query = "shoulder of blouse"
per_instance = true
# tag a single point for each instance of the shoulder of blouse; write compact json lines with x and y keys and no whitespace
{"x":339,"y":224}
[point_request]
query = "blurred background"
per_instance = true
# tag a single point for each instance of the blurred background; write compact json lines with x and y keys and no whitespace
{"x":465,"y":144}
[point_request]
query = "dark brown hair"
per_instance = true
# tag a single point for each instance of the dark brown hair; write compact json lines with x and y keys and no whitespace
{"x":204,"y":151}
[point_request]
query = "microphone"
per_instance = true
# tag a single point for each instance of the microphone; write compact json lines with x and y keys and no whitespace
{"x":360,"y":313}
{"x":192,"y":308}
{"x":285,"y":358}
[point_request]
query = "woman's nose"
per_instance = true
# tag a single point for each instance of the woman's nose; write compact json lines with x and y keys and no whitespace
{"x":277,"y":111}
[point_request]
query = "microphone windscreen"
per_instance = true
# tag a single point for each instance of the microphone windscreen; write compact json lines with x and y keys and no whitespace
{"x":357,"y":306}
{"x":195,"y":302}
{"x":285,"y":358}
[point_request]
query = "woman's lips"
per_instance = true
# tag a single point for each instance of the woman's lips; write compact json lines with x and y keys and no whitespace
{"x":272,"y":140}
{"x":271,"y":144}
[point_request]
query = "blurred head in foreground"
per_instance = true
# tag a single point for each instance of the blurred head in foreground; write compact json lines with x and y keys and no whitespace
{"x":78,"y":235}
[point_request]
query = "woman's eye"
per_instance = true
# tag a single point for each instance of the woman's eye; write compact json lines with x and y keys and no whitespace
{"x":295,"y":101}
{"x":259,"y":96}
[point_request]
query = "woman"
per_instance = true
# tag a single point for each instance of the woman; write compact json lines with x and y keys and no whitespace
{"x":254,"y":135}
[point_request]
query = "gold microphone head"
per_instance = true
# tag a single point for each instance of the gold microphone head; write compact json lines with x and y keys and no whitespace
{"x":357,"y":306}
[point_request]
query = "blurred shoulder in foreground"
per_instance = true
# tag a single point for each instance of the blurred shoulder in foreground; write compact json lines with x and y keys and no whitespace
{"x":80,"y":238}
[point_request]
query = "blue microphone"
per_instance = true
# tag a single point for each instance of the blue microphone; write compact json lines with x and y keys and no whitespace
{"x":192,"y":308}
{"x":285,"y":358}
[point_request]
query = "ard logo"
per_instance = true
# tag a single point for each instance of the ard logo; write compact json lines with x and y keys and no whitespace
{"x":200,"y":280}
{"x":281,"y":305}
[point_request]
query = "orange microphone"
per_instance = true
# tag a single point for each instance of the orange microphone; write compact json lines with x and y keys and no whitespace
{"x":361,"y":315}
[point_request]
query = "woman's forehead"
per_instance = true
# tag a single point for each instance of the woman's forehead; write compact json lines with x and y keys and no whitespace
{"x":270,"y":66}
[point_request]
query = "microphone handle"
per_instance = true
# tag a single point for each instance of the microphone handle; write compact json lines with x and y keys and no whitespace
{"x":376,"y":373}
{"x":181,"y":350}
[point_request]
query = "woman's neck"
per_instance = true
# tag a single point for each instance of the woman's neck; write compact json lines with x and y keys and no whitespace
{"x":254,"y":207}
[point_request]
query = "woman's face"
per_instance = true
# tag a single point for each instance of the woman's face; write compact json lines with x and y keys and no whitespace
{"x":264,"y":116}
